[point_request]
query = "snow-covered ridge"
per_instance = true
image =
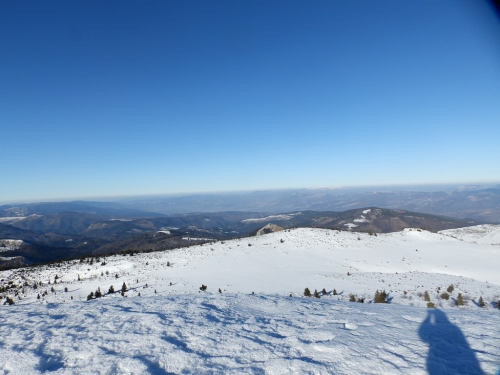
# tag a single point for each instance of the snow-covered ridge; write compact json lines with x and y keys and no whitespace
{"x":8,"y":245}
{"x":406,"y":264}
{"x":481,"y":234}
{"x":271,"y":217}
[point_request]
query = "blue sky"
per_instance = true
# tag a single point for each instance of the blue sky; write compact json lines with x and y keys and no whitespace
{"x":125,"y":97}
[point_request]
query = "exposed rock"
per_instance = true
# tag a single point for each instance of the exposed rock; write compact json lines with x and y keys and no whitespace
{"x":269,"y":228}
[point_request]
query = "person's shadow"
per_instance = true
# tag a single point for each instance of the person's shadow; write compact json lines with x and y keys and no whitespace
{"x":449,"y":351}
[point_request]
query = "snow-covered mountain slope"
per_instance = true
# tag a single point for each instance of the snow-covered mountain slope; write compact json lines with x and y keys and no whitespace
{"x":483,"y":234}
{"x":205,"y":333}
{"x":167,"y":326}
{"x":412,"y":261}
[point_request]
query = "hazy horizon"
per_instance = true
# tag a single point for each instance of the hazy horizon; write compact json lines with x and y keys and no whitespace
{"x":351,"y":189}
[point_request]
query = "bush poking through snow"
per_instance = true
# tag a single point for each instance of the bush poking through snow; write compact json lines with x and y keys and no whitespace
{"x":380,"y":297}
{"x":445,"y":296}
{"x":124,"y":288}
{"x":460,"y":300}
{"x":307,"y":292}
{"x":316,"y":294}
{"x":90,"y":296}
{"x":450,"y":288}
{"x":431,"y":305}
{"x":9,"y":301}
{"x":111,"y":289}
{"x":426,"y":296}
{"x":352,"y":298}
{"x":334,"y":292}
{"x":361,"y":300}
{"x":324,"y":292}
{"x":481,"y":302}
{"x":203,"y":287}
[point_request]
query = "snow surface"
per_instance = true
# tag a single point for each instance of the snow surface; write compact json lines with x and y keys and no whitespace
{"x":205,"y":333}
{"x":483,"y":234}
{"x":166,"y":325}
{"x":11,"y":219}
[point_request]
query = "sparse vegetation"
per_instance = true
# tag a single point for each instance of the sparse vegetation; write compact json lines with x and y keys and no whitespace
{"x":481,"y":302}
{"x":307,"y":292}
{"x":426,"y":296}
{"x":380,"y":297}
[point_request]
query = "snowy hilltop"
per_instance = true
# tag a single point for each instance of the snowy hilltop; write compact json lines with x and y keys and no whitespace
{"x":149,"y":314}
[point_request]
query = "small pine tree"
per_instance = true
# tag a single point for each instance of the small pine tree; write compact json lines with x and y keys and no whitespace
{"x":380,"y":297}
{"x":307,"y":292}
{"x":431,"y":305}
{"x":66,"y":289}
{"x":445,"y":296}
{"x":352,"y":298}
{"x":426,"y":296}
{"x":78,"y":277}
{"x":481,"y":302}
{"x":203,"y":287}
{"x":460,"y":300}
{"x":324,"y":291}
{"x":316,"y":294}
{"x":124,"y":288}
{"x":168,"y":264}
{"x":450,"y":288}
{"x":111,"y":289}
{"x":220,"y":291}
{"x":98,"y":293}
{"x":38,"y":297}
{"x":334,"y":292}
{"x":361,"y":300}
{"x":90,"y":296}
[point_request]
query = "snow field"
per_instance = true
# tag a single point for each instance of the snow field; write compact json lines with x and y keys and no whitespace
{"x":244,"y":334}
{"x":411,"y":261}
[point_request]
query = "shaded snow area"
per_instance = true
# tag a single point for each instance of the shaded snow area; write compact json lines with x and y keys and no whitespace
{"x":483,"y":234}
{"x":203,"y":333}
{"x":164,"y":324}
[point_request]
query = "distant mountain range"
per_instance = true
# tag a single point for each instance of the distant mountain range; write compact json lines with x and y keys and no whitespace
{"x":480,"y":203}
{"x":95,"y":230}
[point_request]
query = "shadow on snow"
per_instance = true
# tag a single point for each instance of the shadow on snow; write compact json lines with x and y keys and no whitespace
{"x":449,"y":351}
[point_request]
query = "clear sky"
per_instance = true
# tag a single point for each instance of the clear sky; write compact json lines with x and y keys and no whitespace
{"x":147,"y":97}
